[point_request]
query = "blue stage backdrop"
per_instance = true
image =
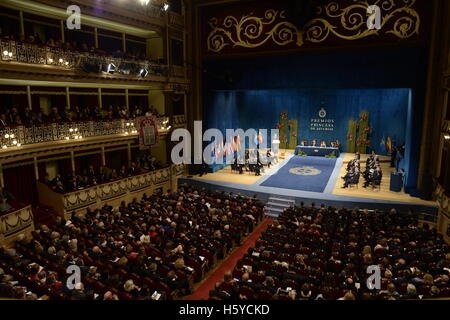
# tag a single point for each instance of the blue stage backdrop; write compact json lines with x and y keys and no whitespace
{"x":388,"y":112}
{"x":251,"y":92}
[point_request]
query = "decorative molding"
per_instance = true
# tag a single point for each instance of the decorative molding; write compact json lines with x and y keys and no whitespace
{"x":16,"y":221}
{"x":86,"y":197}
{"x":349,"y":23}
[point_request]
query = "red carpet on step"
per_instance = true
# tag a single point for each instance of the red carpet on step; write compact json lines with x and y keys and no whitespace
{"x":202,"y":292}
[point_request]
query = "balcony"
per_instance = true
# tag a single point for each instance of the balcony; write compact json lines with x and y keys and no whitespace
{"x":16,"y":137}
{"x":13,"y":222}
{"x":110,"y":192}
{"x":85,"y":62}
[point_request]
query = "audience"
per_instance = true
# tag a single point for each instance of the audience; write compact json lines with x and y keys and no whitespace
{"x":148,"y":249}
{"x":311,"y":253}
{"x":27,"y":117}
{"x":92,"y":177}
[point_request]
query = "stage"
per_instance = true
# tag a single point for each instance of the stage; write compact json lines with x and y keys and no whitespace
{"x":313,"y":179}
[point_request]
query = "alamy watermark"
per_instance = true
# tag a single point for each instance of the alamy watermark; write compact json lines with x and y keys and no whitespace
{"x":74,"y":278}
{"x":230,"y":150}
{"x":73,"y":22}
{"x":374,"y":19}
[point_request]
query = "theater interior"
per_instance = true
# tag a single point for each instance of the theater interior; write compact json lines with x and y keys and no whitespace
{"x":315,"y":161}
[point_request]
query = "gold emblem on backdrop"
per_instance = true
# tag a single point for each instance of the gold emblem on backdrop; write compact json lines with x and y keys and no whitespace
{"x":348,"y":23}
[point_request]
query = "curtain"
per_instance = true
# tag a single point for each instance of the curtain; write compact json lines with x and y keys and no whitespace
{"x":21,"y":182}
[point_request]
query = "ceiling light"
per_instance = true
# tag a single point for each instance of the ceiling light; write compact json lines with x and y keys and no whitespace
{"x":5,"y":53}
{"x":6,"y":136}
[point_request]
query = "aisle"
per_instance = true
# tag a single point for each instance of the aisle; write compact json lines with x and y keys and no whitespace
{"x":202,"y":292}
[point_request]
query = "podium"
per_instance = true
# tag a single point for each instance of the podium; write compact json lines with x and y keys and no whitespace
{"x":396,"y":182}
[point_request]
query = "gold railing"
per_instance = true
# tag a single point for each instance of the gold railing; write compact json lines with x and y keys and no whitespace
{"x":12,"y":223}
{"x":22,"y":135}
{"x":179,"y":120}
{"x":90,"y":62}
{"x":176,"y":19}
{"x":65,"y":203}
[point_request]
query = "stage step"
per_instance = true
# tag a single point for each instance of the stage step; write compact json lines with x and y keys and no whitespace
{"x":276,"y":205}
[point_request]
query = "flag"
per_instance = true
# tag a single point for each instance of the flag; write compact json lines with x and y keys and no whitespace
{"x":260,"y":137}
{"x":238,"y":143}
{"x":388,"y":145}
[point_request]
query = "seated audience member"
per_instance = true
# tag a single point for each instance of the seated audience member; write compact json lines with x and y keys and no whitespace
{"x":323,"y":144}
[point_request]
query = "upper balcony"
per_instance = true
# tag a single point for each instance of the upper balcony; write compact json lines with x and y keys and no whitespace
{"x":27,"y":141}
{"x":65,"y":65}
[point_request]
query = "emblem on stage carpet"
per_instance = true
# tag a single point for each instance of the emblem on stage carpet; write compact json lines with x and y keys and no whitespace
{"x":305,"y":171}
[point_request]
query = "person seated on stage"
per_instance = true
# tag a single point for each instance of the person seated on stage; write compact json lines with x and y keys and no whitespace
{"x":333,"y":144}
{"x":373,"y":177}
{"x":304,"y":143}
{"x":337,"y":144}
{"x":314,"y":143}
{"x":352,"y":177}
{"x":323,"y":144}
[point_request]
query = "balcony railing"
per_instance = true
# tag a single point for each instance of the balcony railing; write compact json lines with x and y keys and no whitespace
{"x":89,"y":62}
{"x":99,"y":194}
{"x":11,"y":223}
{"x":176,"y":19}
{"x":179,"y":120}
{"x":22,"y":135}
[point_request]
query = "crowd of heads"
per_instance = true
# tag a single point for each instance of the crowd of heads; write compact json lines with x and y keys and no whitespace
{"x":92,"y":176}
{"x":323,"y":253}
{"x":16,"y":116}
{"x":74,"y":46}
{"x":156,"y":246}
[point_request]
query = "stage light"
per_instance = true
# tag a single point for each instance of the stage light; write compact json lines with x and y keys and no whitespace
{"x":5,"y":53}
{"x":6,"y":136}
{"x":143,"y":73}
{"x":166,"y":7}
{"x":66,"y":63}
{"x":80,"y":137}
{"x":11,"y":135}
{"x":67,"y":138}
{"x":14,"y":142}
{"x":126,"y":132}
{"x":76,"y":129}
{"x":5,"y":146}
{"x":447,"y":137}
{"x":10,"y":54}
{"x":50,"y":60}
{"x":70,"y":130}
{"x":111,"y":68}
{"x":19,"y":144}
{"x":61,"y":60}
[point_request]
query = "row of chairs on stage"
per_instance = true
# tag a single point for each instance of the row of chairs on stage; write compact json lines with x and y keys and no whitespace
{"x":372,"y":174}
{"x":252,"y":163}
{"x":322,"y":144}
